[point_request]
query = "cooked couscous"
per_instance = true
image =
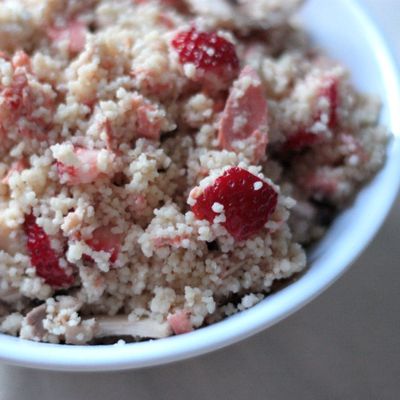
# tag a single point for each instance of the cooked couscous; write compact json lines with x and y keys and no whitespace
{"x":164,"y":162}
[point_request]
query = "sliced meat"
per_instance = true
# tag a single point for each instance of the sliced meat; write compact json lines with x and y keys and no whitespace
{"x":180,"y":322}
{"x":9,"y":242}
{"x":74,"y":32}
{"x":83,"y":167}
{"x":122,"y":326}
{"x":34,"y":319}
{"x":245,"y":15}
{"x":244,"y":123}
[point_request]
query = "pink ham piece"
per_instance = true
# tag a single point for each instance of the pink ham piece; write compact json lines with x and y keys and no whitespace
{"x":245,"y":117}
{"x":148,"y":123}
{"x":86,"y":171}
{"x":73,"y":31}
{"x":180,"y":322}
{"x":16,"y":166}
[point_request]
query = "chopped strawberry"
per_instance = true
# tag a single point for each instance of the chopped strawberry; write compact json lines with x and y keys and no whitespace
{"x":303,"y":138}
{"x":247,"y":202}
{"x":320,"y":183}
{"x":104,"y":240}
{"x":329,"y":91}
{"x":180,"y":322}
{"x":213,"y":56}
{"x":85,"y":171}
{"x":73,"y":31}
{"x":43,"y":257}
{"x":245,"y":117}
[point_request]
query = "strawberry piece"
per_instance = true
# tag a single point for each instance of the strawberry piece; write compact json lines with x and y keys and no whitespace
{"x":43,"y":257}
{"x":303,"y":139}
{"x":330,"y":92}
{"x":321,"y":183}
{"x":248,"y":202}
{"x":103,"y":240}
{"x":208,"y":52}
{"x":246,"y":103}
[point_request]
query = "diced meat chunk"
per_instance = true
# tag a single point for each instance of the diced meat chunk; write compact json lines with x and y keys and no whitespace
{"x":16,"y":166}
{"x":148,"y":122}
{"x":82,"y":167}
{"x":74,"y":32}
{"x":244,"y":121}
{"x":34,"y":319}
{"x":245,"y":15}
{"x":122,"y":326}
{"x":180,"y":322}
{"x":11,"y":239}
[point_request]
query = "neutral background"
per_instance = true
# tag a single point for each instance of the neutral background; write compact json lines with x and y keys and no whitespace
{"x":345,"y":345}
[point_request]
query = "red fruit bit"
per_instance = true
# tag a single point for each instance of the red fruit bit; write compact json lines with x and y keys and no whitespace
{"x":207,"y":51}
{"x":248,"y":202}
{"x":180,"y":322}
{"x":330,"y":92}
{"x":303,"y":139}
{"x":43,"y":257}
{"x":321,"y":183}
{"x":248,"y":105}
{"x":103,"y":240}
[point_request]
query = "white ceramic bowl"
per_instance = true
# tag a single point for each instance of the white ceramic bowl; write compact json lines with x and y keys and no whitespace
{"x":344,"y":30}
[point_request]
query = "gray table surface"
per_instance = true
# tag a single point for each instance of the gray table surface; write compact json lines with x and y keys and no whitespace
{"x":344,"y":345}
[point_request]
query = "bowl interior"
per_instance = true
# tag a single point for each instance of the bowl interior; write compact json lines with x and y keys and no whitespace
{"x":356,"y":43}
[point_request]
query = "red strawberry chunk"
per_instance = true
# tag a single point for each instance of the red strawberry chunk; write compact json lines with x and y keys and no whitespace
{"x":104,"y":240}
{"x":248,"y":202}
{"x":43,"y":257}
{"x":208,"y":52}
{"x":330,"y":92}
{"x":303,"y":138}
{"x":245,"y":117}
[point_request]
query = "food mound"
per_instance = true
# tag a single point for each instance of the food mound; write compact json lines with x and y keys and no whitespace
{"x":164,"y":163}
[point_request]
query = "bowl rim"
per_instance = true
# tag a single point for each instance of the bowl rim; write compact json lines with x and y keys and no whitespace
{"x":246,"y":323}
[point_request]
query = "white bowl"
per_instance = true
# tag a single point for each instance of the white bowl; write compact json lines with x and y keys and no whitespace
{"x":344,"y":30}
